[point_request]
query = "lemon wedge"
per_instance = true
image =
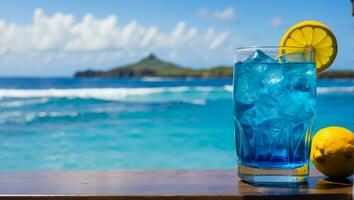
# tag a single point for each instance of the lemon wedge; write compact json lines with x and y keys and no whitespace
{"x":314,"y":35}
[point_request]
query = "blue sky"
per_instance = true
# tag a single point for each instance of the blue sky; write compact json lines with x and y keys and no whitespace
{"x":56,"y":38}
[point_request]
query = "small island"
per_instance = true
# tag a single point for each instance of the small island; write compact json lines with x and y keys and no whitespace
{"x":151,"y":66}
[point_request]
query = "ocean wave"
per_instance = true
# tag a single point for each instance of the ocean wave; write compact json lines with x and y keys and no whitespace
{"x":29,"y":102}
{"x":162,"y":79}
{"x":156,"y":79}
{"x":121,"y":93}
{"x":23,"y":117}
{"x":97,"y":93}
{"x":31,"y":116}
{"x":228,"y":88}
{"x":86,"y":93}
{"x":20,"y":117}
{"x":207,"y":88}
{"x":342,"y":89}
{"x":201,"y":102}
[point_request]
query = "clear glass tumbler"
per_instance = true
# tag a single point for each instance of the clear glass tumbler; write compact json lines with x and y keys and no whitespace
{"x":274,"y":102}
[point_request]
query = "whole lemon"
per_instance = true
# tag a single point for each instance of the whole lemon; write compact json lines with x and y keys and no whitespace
{"x":332,"y":152}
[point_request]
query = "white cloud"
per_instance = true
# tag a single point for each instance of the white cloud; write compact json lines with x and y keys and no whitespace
{"x":228,"y":14}
{"x":220,"y":38}
{"x":149,"y":36}
{"x":64,"y":39}
{"x":62,"y":32}
{"x":276,"y":22}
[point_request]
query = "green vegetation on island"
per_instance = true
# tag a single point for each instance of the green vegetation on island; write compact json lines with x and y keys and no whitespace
{"x":151,"y":66}
{"x":332,"y":74}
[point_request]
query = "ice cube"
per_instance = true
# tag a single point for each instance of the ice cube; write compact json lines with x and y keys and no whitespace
{"x":259,"y":68}
{"x":267,"y":106}
{"x":264,"y":109}
{"x":239,"y":63}
{"x":271,"y":136}
{"x":273,"y":81}
{"x":251,"y":117}
{"x":301,"y":78}
{"x":300,"y":83}
{"x":259,"y":57}
{"x":272,"y":76}
{"x":297,"y":106}
{"x":247,"y":89}
{"x":272,"y":127}
{"x":252,"y":69}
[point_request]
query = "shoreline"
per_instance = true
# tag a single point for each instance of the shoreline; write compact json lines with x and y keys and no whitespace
{"x":330,"y":75}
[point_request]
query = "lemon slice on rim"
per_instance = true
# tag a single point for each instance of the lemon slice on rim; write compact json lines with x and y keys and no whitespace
{"x":314,"y":35}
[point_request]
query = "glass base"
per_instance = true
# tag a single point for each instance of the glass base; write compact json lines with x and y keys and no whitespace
{"x":274,"y":177}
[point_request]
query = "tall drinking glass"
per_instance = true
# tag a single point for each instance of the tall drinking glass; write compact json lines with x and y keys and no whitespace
{"x":274,"y":102}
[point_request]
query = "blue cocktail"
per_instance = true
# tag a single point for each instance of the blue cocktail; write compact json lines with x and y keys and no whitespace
{"x":274,"y":101}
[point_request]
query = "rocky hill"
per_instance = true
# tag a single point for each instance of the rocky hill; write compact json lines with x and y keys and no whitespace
{"x":152,"y":66}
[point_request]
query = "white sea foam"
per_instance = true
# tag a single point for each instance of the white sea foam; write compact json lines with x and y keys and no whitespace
{"x":32,"y":116}
{"x":155,"y":79}
{"x":12,"y":104}
{"x":206,"y":88}
{"x":228,"y":88}
{"x":120,"y":93}
{"x":201,"y":102}
{"x":342,"y":89}
{"x":86,"y":93}
{"x":20,"y":117}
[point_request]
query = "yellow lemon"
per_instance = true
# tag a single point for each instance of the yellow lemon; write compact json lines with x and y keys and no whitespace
{"x":314,"y":35}
{"x":332,"y":152}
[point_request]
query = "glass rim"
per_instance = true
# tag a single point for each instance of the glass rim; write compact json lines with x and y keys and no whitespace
{"x":245,"y":48}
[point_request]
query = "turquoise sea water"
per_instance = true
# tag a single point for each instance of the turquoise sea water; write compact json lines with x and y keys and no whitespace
{"x":151,"y":123}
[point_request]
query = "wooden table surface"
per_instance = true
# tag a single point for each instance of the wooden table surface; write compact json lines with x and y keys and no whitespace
{"x":169,"y":184}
